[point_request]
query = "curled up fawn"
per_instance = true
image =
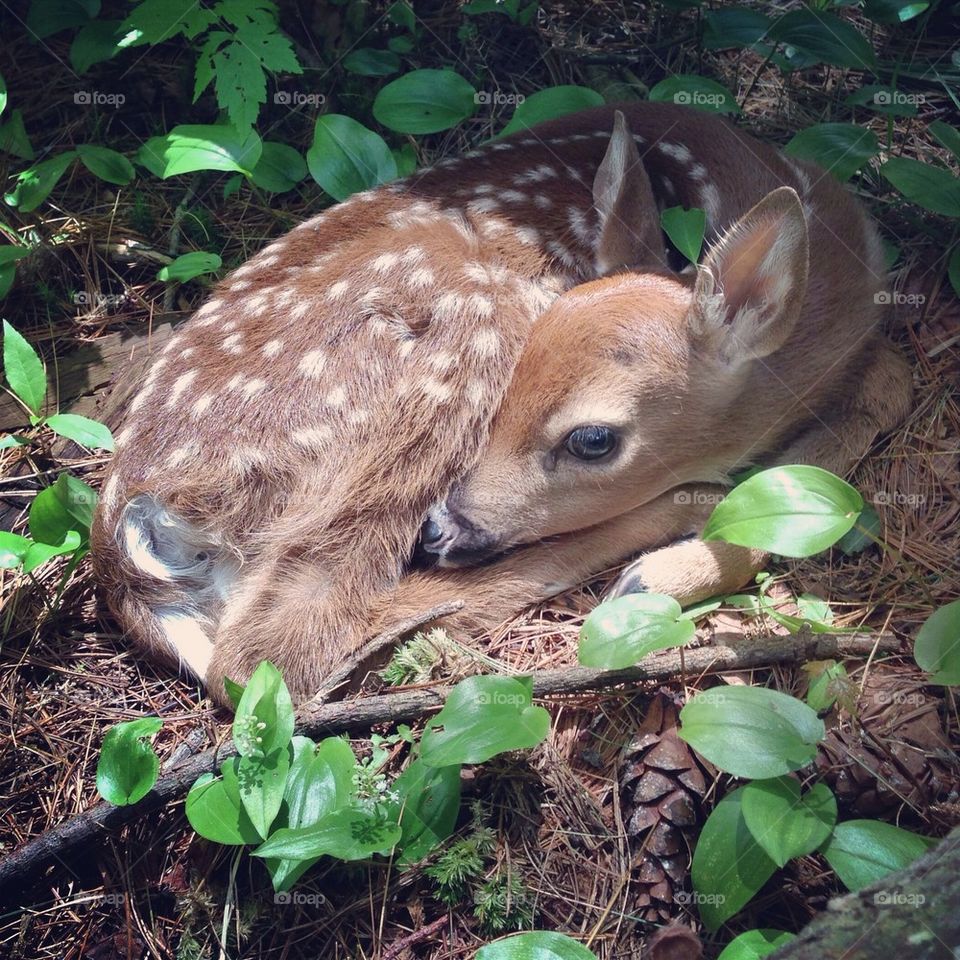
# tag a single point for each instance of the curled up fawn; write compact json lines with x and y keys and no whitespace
{"x":505,"y":346}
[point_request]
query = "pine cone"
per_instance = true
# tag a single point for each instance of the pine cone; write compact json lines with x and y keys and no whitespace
{"x":662,"y":785}
{"x":895,"y":752}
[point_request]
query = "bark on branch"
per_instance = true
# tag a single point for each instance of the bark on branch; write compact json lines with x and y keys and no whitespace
{"x":56,"y":848}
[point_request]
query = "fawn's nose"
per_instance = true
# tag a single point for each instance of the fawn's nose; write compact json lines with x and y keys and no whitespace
{"x":438,"y":531}
{"x":431,"y":533}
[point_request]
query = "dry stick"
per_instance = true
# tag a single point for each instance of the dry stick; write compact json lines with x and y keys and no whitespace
{"x":63,"y":842}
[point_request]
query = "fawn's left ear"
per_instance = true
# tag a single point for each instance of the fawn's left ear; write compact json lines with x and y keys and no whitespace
{"x":630,"y":235}
{"x":752,"y":283}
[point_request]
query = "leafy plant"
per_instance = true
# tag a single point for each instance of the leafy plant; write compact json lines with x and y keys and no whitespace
{"x":937,"y":647}
{"x":128,"y":766}
{"x":542,"y":944}
{"x":685,"y":228}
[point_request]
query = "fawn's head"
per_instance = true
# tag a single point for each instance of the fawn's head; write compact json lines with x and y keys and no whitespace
{"x":623,"y":388}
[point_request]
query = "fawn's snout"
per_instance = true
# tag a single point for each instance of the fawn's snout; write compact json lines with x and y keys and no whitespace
{"x":453,"y":540}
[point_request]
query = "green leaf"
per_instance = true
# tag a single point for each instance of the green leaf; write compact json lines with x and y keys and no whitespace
{"x":40,"y":553}
{"x":65,"y":505}
{"x":932,"y":188}
{"x":825,"y":38}
{"x":95,"y":42}
{"x":9,"y":255}
{"x":685,"y":229}
{"x":191,"y":147}
{"x":406,"y":159}
{"x":937,"y":647}
{"x":690,"y":90}
{"x":190,"y":265}
{"x":23,"y":369}
{"x":482,"y":717}
{"x":424,"y":101}
{"x":947,"y":135}
{"x":214,"y":809}
{"x":549,"y":104}
{"x":106,"y":164}
{"x":728,"y":866}
{"x":154,"y":21}
{"x":88,"y":433}
{"x":863,"y":534}
{"x":886,"y":100}
{"x":345,"y":157}
{"x":33,"y":186}
{"x":840,"y":148}
{"x":755,"y":944}
{"x":47,"y":17}
{"x":893,"y":11}
{"x":734,"y":27}
{"x":262,"y":780}
{"x":279,"y":169}
{"x":350,"y":833}
{"x":401,"y":13}
{"x":785,"y":824}
{"x":264,"y":720}
{"x":128,"y":766}
{"x":794,"y":511}
{"x":826,"y":686}
{"x":750,"y":731}
{"x":11,"y":440}
{"x":13,"y":137}
{"x":367,"y":62}
{"x":239,"y":81}
{"x":864,"y":851}
{"x":620,"y":632}
{"x":535,"y":945}
{"x":13,"y":548}
{"x":428,"y":801}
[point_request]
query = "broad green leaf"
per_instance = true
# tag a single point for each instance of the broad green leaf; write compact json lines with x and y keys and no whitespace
{"x":828,"y":682}
{"x":13,"y":548}
{"x":350,"y":833}
{"x":47,"y":17}
{"x":40,"y":553}
{"x":751,"y":731}
{"x":191,"y":147}
{"x":89,"y":433}
{"x":863,"y":534}
{"x":65,"y":505}
{"x":23,"y":369}
{"x":33,"y":186}
{"x":406,"y":159}
{"x":886,"y":100}
{"x":106,"y":164}
{"x":279,"y":169}
{"x":864,"y":851}
{"x":214,"y":809}
{"x":262,"y":780}
{"x":95,"y":42}
{"x":840,"y":148}
{"x":484,"y":716}
{"x":535,"y":945}
{"x":154,"y":21}
{"x":785,"y":824}
{"x":401,"y":13}
{"x":728,"y":866}
{"x":947,"y":135}
{"x":689,"y":90}
{"x":345,"y":157}
{"x":10,"y":254}
{"x":239,"y":82}
{"x":932,"y":188}
{"x":424,"y":101}
{"x":755,"y":944}
{"x":190,"y":265}
{"x":264,"y":718}
{"x":734,"y":27}
{"x":795,"y":511}
{"x":428,"y":801}
{"x":620,"y":632}
{"x":937,"y":647}
{"x":814,"y":608}
{"x":893,"y":11}
{"x":128,"y":766}
{"x":549,"y":104}
{"x":825,"y":38}
{"x":13,"y":137}
{"x":367,"y":62}
{"x":12,"y":440}
{"x":685,"y":229}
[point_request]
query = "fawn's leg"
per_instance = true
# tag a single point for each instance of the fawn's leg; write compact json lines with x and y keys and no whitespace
{"x":694,"y":570}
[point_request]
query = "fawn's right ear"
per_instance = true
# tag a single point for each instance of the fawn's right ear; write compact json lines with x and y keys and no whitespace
{"x":630,"y":235}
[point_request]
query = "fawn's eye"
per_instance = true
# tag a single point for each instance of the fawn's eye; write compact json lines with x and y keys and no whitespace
{"x":590,"y":443}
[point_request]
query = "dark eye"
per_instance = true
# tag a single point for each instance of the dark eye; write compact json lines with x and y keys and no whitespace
{"x":590,"y":443}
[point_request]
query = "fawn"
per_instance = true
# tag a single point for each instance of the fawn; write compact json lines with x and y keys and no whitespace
{"x":502,"y":345}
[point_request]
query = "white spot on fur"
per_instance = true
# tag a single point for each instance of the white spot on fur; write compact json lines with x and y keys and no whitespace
{"x":252,"y":387}
{"x":677,"y":151}
{"x":202,"y":404}
{"x":421,"y":277}
{"x":272,"y":347}
{"x":301,"y":309}
{"x":527,"y":235}
{"x":179,"y":385}
{"x":578,"y":224}
{"x":502,"y":146}
{"x":441,"y":392}
{"x":542,"y":201}
{"x":443,"y":361}
{"x":475,"y":392}
{"x":449,"y":305}
{"x":235,"y":382}
{"x":384,"y":262}
{"x":476,"y":272}
{"x":698,"y":171}
{"x":482,"y":188}
{"x":312,"y":363}
{"x":561,"y":253}
{"x":179,"y":456}
{"x":337,"y":397}
{"x":485,"y":342}
{"x":256,"y":305}
{"x":480,"y":305}
{"x":336,"y":290}
{"x":312,"y":436}
{"x":186,"y":634}
{"x":232,"y":343}
{"x":710,"y":198}
{"x":412,"y":255}
{"x":483,"y":205}
{"x":512,"y":196}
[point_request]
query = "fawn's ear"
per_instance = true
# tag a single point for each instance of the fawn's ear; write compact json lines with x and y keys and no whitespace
{"x":753,"y":280}
{"x":630,"y":234}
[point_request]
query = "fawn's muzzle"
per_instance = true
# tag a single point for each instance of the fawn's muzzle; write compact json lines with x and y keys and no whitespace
{"x":453,"y":541}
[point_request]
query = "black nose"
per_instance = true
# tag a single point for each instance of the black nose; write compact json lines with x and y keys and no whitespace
{"x":431,"y":532}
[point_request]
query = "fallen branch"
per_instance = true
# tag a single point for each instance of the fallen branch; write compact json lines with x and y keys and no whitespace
{"x":62,"y":843}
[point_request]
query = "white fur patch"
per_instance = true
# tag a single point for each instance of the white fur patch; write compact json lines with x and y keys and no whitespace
{"x":312,"y":436}
{"x":312,"y":363}
{"x":186,"y":634}
{"x":179,"y":385}
{"x":336,"y":290}
{"x":272,"y":347}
